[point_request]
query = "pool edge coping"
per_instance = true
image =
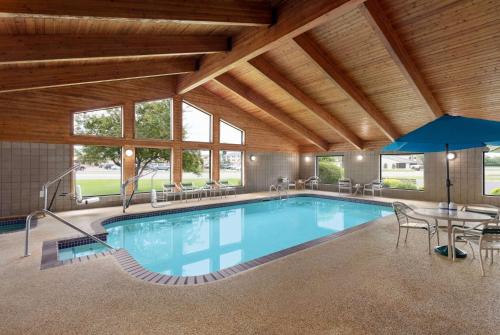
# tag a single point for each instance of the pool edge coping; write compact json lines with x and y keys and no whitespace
{"x":132,"y":267}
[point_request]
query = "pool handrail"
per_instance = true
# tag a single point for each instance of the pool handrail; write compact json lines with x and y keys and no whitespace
{"x":58,"y":218}
{"x":45,"y":187}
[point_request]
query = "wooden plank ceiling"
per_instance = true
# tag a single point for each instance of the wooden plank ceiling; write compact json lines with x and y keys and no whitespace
{"x":326,"y":73}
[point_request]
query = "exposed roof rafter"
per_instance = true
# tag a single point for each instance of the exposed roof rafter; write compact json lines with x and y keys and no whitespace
{"x":28,"y":78}
{"x":30,"y":48}
{"x":384,"y":30}
{"x":274,"y":75}
{"x":333,"y":71}
{"x":269,"y":108}
{"x":225,"y":12}
{"x":294,"y":18}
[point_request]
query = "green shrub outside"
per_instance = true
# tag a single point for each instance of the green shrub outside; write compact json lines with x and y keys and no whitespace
{"x":329,"y":172}
{"x":396,"y":183}
{"x":495,"y":191}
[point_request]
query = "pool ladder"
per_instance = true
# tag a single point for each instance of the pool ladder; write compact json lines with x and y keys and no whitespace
{"x":280,"y":190}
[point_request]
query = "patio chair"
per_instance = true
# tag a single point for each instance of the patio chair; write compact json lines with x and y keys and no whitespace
{"x":408,"y":220}
{"x":375,"y":186}
{"x":486,"y":235}
{"x":188,"y":189}
{"x":211,"y":189}
{"x":345,"y":184}
{"x":224,"y":186}
{"x":285,"y":183}
{"x":312,"y":181}
{"x":171,"y":190}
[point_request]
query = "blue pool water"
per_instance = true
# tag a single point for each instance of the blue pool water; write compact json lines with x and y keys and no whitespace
{"x":203,"y":241}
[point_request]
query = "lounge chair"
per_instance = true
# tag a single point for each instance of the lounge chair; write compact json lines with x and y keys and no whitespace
{"x":407,"y":219}
{"x":188,"y":189}
{"x":171,"y":190}
{"x":224,"y":186}
{"x":211,"y":189}
{"x":374,"y":186}
{"x":345,"y":184}
{"x":80,"y":200}
{"x":312,"y":181}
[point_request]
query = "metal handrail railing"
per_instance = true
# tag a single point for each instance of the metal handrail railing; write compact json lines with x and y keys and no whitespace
{"x":45,"y":187}
{"x":123,"y":188}
{"x":47,"y":212}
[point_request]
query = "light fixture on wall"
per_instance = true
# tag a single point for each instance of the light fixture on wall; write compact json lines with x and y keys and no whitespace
{"x":307,"y":159}
{"x":129,"y":152}
{"x":451,"y":156}
{"x":253,"y":158}
{"x":359,"y":157}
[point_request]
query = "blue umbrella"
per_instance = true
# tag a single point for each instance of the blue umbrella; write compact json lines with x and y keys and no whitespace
{"x":449,"y":133}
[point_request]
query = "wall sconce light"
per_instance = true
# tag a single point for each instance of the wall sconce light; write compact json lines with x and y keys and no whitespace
{"x":129,"y":152}
{"x":359,"y":157}
{"x":451,"y":156}
{"x":307,"y":159}
{"x":253,"y":158}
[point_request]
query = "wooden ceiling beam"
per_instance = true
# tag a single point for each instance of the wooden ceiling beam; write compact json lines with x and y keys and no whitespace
{"x":333,"y":71}
{"x":29,"y":78}
{"x":221,"y":12}
{"x":382,"y":26}
{"x":30,"y":48}
{"x":294,"y":18}
{"x":269,"y":108}
{"x":268,"y":70}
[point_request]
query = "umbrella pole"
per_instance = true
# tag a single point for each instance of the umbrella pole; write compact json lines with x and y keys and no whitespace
{"x":448,"y":182}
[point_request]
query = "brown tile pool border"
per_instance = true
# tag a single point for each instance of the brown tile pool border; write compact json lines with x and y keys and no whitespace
{"x":133,"y":268}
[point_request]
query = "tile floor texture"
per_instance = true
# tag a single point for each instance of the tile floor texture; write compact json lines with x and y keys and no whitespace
{"x":356,"y":284}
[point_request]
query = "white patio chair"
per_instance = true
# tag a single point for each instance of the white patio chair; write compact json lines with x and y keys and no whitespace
{"x":375,"y":186}
{"x":188,"y":189}
{"x":345,"y":184}
{"x":171,"y":190}
{"x":312,"y":181}
{"x":407,"y":219}
{"x":224,"y":186}
{"x":211,"y":189}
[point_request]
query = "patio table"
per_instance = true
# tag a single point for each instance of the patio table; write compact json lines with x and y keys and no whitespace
{"x":450,"y":216}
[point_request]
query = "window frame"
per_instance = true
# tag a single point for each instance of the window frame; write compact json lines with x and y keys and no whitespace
{"x":232,"y":126}
{"x":484,"y":178}
{"x":210,"y":129}
{"x":171,"y":137}
{"x":242,"y":184}
{"x":399,"y":154}
{"x":316,"y":165}
{"x":72,"y":122}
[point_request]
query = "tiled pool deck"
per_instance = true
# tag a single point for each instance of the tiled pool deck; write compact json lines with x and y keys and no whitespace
{"x":357,"y":284}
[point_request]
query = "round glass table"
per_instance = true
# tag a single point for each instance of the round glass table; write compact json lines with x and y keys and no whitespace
{"x":450,"y":217}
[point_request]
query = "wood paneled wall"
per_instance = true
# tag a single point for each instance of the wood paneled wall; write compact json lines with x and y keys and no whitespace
{"x":45,"y":116}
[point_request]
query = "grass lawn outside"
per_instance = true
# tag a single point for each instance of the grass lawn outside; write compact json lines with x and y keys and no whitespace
{"x":101,"y":187}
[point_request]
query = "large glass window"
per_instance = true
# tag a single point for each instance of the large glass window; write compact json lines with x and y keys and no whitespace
{"x":231,"y":167}
{"x":329,"y":169}
{"x":196,"y":124}
{"x":100,"y":172}
{"x":402,"y":171}
{"x":196,"y":165}
{"x":98,"y":122}
{"x":152,"y":119}
{"x":230,"y":134}
{"x":149,"y":159}
{"x":491,"y":173}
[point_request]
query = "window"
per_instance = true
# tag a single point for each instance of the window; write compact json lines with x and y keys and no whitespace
{"x":100,"y":172}
{"x":329,"y":169}
{"x":196,"y":165}
{"x":402,"y":171}
{"x":231,"y":167}
{"x":148,"y":159}
{"x":491,"y":173}
{"x":196,"y":124}
{"x":153,"y":119}
{"x":99,"y":122}
{"x":230,"y":134}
